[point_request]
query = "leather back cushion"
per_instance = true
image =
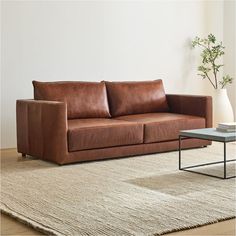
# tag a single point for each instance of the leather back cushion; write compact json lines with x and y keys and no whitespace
{"x":83,"y":99}
{"x":127,"y":98}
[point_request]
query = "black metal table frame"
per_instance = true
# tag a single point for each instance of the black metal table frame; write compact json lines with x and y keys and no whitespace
{"x":187,"y":168}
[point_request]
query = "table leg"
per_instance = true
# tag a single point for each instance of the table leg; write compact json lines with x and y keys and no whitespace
{"x":224,"y":160}
{"x":179,"y":152}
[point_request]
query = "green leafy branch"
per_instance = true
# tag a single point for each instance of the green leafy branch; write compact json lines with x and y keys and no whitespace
{"x":211,"y":52}
{"x":226,"y":80}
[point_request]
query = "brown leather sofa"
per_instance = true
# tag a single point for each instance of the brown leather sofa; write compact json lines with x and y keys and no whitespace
{"x":79,"y":121}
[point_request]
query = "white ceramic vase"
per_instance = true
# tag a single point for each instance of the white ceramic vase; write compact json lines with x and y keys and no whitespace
{"x":222,"y":109}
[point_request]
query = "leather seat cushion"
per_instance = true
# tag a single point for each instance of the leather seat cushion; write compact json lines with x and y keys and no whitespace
{"x":160,"y":127}
{"x":83,"y":99}
{"x":127,"y":98}
{"x":100,"y":133}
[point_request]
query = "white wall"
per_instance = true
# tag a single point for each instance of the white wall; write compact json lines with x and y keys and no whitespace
{"x":75,"y":40}
{"x":230,"y":44}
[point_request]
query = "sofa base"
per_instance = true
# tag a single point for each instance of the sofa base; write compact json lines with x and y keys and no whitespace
{"x":132,"y":150}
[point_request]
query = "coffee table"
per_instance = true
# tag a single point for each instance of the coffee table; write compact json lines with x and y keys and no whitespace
{"x":208,"y":134}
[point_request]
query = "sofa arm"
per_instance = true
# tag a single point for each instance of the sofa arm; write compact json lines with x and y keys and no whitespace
{"x":191,"y":105}
{"x":42,"y":129}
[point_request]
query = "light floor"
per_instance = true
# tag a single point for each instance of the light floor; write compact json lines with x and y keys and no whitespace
{"x":10,"y":226}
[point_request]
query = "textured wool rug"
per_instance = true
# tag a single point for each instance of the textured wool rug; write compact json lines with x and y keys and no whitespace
{"x":145,"y":195}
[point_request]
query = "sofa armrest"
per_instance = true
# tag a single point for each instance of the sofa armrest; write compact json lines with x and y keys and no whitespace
{"x":42,"y":129}
{"x":191,"y":105}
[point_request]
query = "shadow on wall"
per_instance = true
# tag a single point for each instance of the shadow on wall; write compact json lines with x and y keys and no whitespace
{"x":190,"y":71}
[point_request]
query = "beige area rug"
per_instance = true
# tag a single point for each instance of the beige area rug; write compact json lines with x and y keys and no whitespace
{"x":145,"y":195}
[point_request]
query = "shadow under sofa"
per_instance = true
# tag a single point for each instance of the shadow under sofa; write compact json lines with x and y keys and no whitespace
{"x":71,"y":122}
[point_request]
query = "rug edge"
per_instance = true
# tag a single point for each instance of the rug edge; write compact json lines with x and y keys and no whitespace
{"x":28,"y":222}
{"x":197,"y":225}
{"x":40,"y":228}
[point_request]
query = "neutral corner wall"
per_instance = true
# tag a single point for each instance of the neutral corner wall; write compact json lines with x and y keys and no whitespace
{"x":230,"y":44}
{"x":93,"y":40}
